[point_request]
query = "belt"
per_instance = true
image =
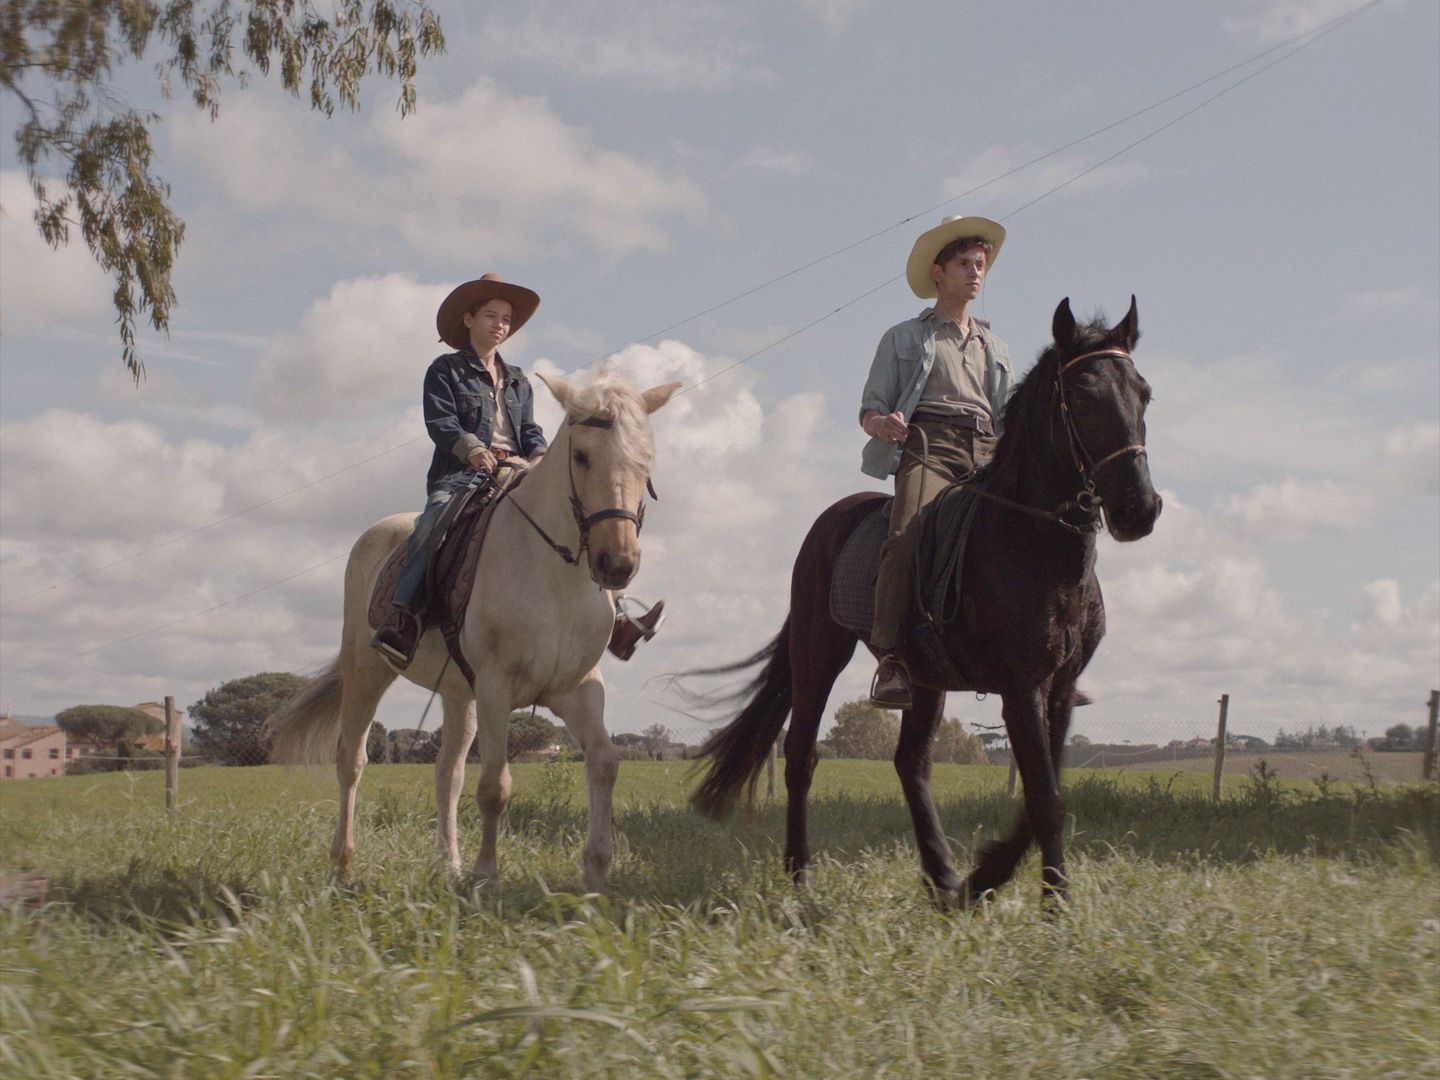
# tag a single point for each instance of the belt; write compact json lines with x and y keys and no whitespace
{"x":972,"y":423}
{"x":503,"y":455}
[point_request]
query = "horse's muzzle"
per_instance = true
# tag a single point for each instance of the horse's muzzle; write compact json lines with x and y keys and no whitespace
{"x":614,"y":571}
{"x":1135,"y":518}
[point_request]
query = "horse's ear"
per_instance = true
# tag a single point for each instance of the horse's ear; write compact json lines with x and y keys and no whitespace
{"x":563,"y":391}
{"x":1063,"y":325}
{"x":1127,"y":330}
{"x":657,"y":396}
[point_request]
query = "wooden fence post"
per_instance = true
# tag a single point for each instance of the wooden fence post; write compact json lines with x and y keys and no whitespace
{"x":172,"y":756}
{"x":1427,"y":770}
{"x":1220,"y":744}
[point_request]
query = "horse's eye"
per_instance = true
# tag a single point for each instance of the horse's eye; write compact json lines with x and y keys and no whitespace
{"x":581,"y":458}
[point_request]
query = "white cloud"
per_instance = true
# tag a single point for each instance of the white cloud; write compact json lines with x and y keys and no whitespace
{"x":41,"y":287}
{"x":1294,"y":509}
{"x":499,"y":170}
{"x":834,"y":15}
{"x":1272,"y":21}
{"x":1388,"y":303}
{"x":661,"y":47}
{"x":1412,"y":456}
{"x":785,"y":161}
{"x":487,"y":171}
{"x":362,"y":347}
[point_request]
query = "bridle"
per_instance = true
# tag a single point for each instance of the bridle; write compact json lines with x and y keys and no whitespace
{"x":1087,"y":500}
{"x":583,"y":521}
{"x":1087,"y":466}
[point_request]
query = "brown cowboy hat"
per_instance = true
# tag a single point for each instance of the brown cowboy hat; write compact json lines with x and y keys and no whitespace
{"x":930,"y":244}
{"x":450,"y":319}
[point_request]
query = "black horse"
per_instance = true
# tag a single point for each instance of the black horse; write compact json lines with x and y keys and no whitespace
{"x":1030,"y":617}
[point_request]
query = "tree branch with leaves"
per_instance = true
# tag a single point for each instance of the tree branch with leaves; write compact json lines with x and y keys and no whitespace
{"x":58,"y":59}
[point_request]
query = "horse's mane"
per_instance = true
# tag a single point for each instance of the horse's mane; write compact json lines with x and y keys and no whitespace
{"x":1030,"y":411}
{"x":612,"y":396}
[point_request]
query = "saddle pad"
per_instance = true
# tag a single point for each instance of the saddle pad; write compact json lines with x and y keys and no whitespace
{"x":384,"y":588}
{"x":852,"y":588}
{"x":452,"y":564}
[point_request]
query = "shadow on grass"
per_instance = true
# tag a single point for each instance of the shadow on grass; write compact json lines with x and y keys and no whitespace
{"x":666,"y":853}
{"x":670,"y":854}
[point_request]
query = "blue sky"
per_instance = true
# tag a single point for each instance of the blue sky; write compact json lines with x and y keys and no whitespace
{"x":638,"y":164}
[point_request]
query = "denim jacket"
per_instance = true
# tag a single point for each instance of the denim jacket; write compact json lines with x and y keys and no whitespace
{"x":460,"y":412}
{"x":898,"y":374}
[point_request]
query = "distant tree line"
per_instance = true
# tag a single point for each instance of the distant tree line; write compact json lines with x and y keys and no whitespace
{"x":863,"y":731}
{"x":1402,"y":737}
{"x":1341,"y":736}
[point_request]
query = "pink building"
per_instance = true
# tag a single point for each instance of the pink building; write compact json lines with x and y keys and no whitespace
{"x":27,"y":752}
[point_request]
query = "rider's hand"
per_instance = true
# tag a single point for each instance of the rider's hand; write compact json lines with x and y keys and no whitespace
{"x":891,"y":428}
{"x":481,"y":459}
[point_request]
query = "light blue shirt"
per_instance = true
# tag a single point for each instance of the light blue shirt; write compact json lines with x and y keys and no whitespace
{"x":898,"y":374}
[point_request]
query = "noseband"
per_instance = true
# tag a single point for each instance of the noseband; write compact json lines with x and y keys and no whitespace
{"x":583,"y":521}
{"x":1088,"y":498}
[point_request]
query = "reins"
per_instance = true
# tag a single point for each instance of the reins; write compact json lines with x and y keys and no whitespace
{"x":583,"y":521}
{"x":1087,"y":499}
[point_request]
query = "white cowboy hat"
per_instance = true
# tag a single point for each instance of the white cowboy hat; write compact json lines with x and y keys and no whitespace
{"x":922,"y":255}
{"x":450,"y":319}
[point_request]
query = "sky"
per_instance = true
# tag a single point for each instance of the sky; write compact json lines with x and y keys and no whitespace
{"x":724,"y":193}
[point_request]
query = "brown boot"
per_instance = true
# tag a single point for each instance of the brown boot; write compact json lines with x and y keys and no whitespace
{"x":890,"y":689}
{"x":630,"y":630}
{"x":398,"y":638}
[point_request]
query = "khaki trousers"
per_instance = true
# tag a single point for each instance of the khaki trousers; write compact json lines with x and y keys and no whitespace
{"x":954,"y":451}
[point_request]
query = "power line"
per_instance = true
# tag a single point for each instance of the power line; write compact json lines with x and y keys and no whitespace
{"x":195,"y":615}
{"x":1315,"y":33}
{"x":219,"y":521}
{"x":1299,"y":43}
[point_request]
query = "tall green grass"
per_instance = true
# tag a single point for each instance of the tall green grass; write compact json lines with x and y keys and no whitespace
{"x":1287,"y":932}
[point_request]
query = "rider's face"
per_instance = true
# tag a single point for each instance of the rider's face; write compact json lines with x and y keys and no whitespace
{"x":961,"y":277}
{"x":489,"y":324}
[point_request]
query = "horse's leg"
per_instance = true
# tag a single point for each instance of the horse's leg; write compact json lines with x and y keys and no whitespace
{"x":365,"y":677}
{"x":912,"y":763}
{"x":492,"y":715}
{"x":456,"y":736}
{"x":1025,"y":722}
{"x":583,"y":710}
{"x":819,"y":651}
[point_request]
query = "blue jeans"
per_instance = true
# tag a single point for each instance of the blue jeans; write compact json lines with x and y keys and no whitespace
{"x":410,"y":589}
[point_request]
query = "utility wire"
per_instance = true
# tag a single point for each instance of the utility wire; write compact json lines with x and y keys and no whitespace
{"x":1313,"y":34}
{"x":1299,"y":41}
{"x":68,"y":657}
{"x":218,"y":521}
{"x":1317,"y":32}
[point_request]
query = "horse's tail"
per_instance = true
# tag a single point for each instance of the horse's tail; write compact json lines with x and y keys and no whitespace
{"x":305,"y":729}
{"x":738,"y":751}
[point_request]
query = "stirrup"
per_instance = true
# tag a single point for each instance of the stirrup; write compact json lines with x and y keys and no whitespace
{"x":897,"y":693}
{"x":398,"y":637}
{"x":629,"y":630}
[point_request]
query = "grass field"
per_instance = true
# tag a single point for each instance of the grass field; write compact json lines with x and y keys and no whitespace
{"x":1402,"y":767}
{"x":1288,"y":931}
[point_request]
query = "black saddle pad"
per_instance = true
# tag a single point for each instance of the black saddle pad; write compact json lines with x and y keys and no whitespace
{"x":852,"y":588}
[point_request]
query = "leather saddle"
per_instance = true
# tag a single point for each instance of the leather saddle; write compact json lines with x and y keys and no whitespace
{"x":945,"y":528}
{"x":450,"y":577}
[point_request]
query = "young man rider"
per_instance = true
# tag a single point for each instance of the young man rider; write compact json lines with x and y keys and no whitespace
{"x":944,"y":373}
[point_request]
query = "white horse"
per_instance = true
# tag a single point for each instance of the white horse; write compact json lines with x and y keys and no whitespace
{"x":538,"y":622}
